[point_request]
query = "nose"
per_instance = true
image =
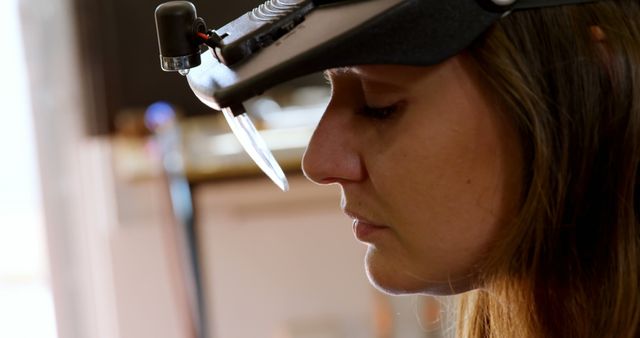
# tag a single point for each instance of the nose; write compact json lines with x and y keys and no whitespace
{"x":333,"y":154}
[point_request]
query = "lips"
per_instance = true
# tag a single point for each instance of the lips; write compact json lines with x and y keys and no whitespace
{"x":364,"y":229}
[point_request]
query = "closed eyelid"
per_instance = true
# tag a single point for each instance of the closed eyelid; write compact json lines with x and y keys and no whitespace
{"x":348,"y":84}
{"x":377,"y":88}
{"x":378,"y":94}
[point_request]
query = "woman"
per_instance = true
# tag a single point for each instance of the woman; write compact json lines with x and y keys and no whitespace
{"x":509,"y":172}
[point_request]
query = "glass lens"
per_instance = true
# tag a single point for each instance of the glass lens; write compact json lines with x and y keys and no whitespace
{"x":255,"y":146}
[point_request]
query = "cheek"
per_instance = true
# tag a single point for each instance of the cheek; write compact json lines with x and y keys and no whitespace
{"x":447,"y":189}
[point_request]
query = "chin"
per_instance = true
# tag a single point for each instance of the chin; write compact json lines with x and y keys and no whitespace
{"x":390,"y":277}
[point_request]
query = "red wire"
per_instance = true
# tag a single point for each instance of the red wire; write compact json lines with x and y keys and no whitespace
{"x":203,"y":36}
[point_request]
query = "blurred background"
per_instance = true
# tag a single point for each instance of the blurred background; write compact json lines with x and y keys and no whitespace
{"x":110,"y":228}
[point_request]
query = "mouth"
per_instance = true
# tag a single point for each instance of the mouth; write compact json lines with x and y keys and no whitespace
{"x":365,"y":230}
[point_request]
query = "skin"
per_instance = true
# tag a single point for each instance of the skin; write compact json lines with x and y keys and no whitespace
{"x":436,"y":179}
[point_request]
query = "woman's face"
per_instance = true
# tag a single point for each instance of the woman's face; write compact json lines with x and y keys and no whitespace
{"x":429,"y":170}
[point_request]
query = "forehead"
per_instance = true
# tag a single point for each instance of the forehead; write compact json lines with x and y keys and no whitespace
{"x":398,"y":75}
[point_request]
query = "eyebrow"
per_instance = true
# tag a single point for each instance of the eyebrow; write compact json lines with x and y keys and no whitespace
{"x":330,"y":74}
{"x":366,"y":76}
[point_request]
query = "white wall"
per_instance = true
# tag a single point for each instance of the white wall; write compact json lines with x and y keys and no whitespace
{"x":75,"y":173}
{"x":25,"y":293}
{"x":277,"y":262}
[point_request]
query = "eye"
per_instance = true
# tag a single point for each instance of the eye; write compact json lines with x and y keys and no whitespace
{"x":379,"y":113}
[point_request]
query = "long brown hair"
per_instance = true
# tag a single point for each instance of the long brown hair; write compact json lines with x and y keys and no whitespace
{"x":569,"y":266}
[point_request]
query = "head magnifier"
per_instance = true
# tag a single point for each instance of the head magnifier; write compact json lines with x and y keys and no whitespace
{"x":284,"y":39}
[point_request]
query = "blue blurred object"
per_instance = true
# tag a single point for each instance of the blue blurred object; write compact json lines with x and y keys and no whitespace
{"x":159,"y":114}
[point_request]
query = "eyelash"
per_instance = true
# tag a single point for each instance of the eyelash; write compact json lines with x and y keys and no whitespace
{"x":379,"y":113}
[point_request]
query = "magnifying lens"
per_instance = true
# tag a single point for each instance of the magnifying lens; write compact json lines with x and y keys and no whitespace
{"x":254,"y":145}
{"x":284,"y":39}
{"x":182,"y":37}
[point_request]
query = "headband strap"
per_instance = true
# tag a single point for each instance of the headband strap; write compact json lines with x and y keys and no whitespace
{"x":529,"y":4}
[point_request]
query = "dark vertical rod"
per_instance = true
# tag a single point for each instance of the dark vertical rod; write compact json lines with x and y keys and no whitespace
{"x":162,"y":120}
{"x":182,"y":202}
